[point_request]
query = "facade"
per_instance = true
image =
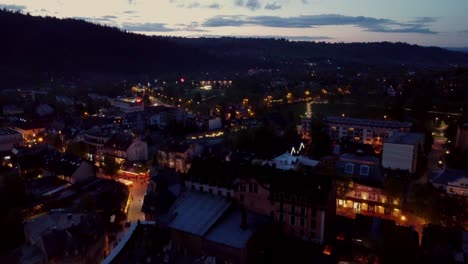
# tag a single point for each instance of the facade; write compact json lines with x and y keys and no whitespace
{"x":363,"y":192}
{"x":462,"y":137}
{"x":178,"y":155}
{"x":366,"y":131}
{"x":452,"y":181}
{"x":400,"y":152}
{"x":124,"y":148}
{"x":94,"y":141}
{"x":30,"y":131}
{"x":9,"y":139}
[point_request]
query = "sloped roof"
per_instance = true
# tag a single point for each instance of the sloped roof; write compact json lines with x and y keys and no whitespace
{"x":119,"y":141}
{"x":448,"y":175}
{"x":196,"y":212}
{"x":229,"y":232}
{"x":62,"y":163}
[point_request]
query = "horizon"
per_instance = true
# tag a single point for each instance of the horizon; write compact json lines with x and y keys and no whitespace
{"x":335,"y":21}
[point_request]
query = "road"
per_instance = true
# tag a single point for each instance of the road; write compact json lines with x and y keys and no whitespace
{"x":136,"y":196}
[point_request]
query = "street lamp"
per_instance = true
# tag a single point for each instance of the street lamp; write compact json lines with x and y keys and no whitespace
{"x":436,"y":121}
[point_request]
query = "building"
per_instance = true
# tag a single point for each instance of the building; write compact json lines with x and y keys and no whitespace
{"x":452,"y":181}
{"x":128,"y":105}
{"x":360,"y":187}
{"x":67,"y":237}
{"x":462,"y":137}
{"x":178,"y":155}
{"x":366,"y":131}
{"x":208,"y":225}
{"x":162,"y":116}
{"x":124,"y":147}
{"x":288,"y":161}
{"x":67,"y":167}
{"x":9,"y":139}
{"x":31,"y":130}
{"x":95,"y":140}
{"x":402,"y":150}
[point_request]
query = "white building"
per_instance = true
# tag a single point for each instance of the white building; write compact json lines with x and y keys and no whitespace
{"x":126,"y":148}
{"x":128,"y":105}
{"x":400,"y":151}
{"x":452,"y":181}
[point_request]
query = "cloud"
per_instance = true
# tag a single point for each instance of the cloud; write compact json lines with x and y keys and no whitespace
{"x":253,"y":4}
{"x":424,"y":20}
{"x":214,"y":6}
{"x":147,"y":27}
{"x":305,"y":1}
{"x":12,"y":7}
{"x":129,"y":12}
{"x":272,"y":6}
{"x":366,"y":23}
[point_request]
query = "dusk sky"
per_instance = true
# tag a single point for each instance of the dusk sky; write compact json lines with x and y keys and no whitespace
{"x":426,"y":22}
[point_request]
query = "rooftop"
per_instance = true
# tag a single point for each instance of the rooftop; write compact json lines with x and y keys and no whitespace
{"x":228,"y":231}
{"x":448,"y":175}
{"x":406,"y":138}
{"x":368,"y":122}
{"x":119,"y":141}
{"x":196,"y":213}
{"x":7,"y":131}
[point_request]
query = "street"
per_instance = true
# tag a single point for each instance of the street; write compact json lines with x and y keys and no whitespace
{"x":136,"y":196}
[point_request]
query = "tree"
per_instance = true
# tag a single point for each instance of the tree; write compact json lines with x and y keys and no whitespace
{"x":111,"y":167}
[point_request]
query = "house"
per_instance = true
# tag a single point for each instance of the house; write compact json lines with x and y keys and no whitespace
{"x":124,"y":147}
{"x":67,"y":167}
{"x":9,"y":139}
{"x":366,"y":131}
{"x":450,"y":180}
{"x":205,"y":224}
{"x":303,"y":204}
{"x":178,"y":155}
{"x":162,"y":116}
{"x":360,"y":187}
{"x":30,"y":130}
{"x":94,"y":140}
{"x":67,"y":237}
{"x":128,"y":105}
{"x":402,"y":150}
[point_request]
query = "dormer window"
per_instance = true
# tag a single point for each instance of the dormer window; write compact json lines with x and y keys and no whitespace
{"x":349,"y":168}
{"x":364,"y":170}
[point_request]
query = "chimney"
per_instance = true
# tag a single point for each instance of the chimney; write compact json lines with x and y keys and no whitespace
{"x":243,"y":225}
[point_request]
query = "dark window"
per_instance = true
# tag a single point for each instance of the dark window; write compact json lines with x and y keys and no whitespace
{"x":255,"y":187}
{"x":303,"y":211}
{"x":281,"y":206}
{"x":211,"y":190}
{"x":302,"y":222}
{"x":242,"y":187}
{"x":241,"y":198}
{"x":228,"y":194}
{"x":250,"y":187}
{"x":200,"y":188}
{"x":280,"y":218}
{"x":220,"y":193}
{"x":293,"y":220}
{"x":293,"y":209}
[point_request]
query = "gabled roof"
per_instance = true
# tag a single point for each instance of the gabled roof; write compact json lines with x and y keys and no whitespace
{"x":119,"y":142}
{"x":196,"y":213}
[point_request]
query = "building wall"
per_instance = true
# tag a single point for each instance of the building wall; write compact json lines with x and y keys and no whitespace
{"x":138,"y":150}
{"x":462,"y":138}
{"x":366,"y":199}
{"x":8,"y":142}
{"x":399,"y":156}
{"x":254,"y":196}
{"x":459,"y":187}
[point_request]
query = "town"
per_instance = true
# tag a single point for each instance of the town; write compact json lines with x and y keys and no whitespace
{"x":188,"y":170}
